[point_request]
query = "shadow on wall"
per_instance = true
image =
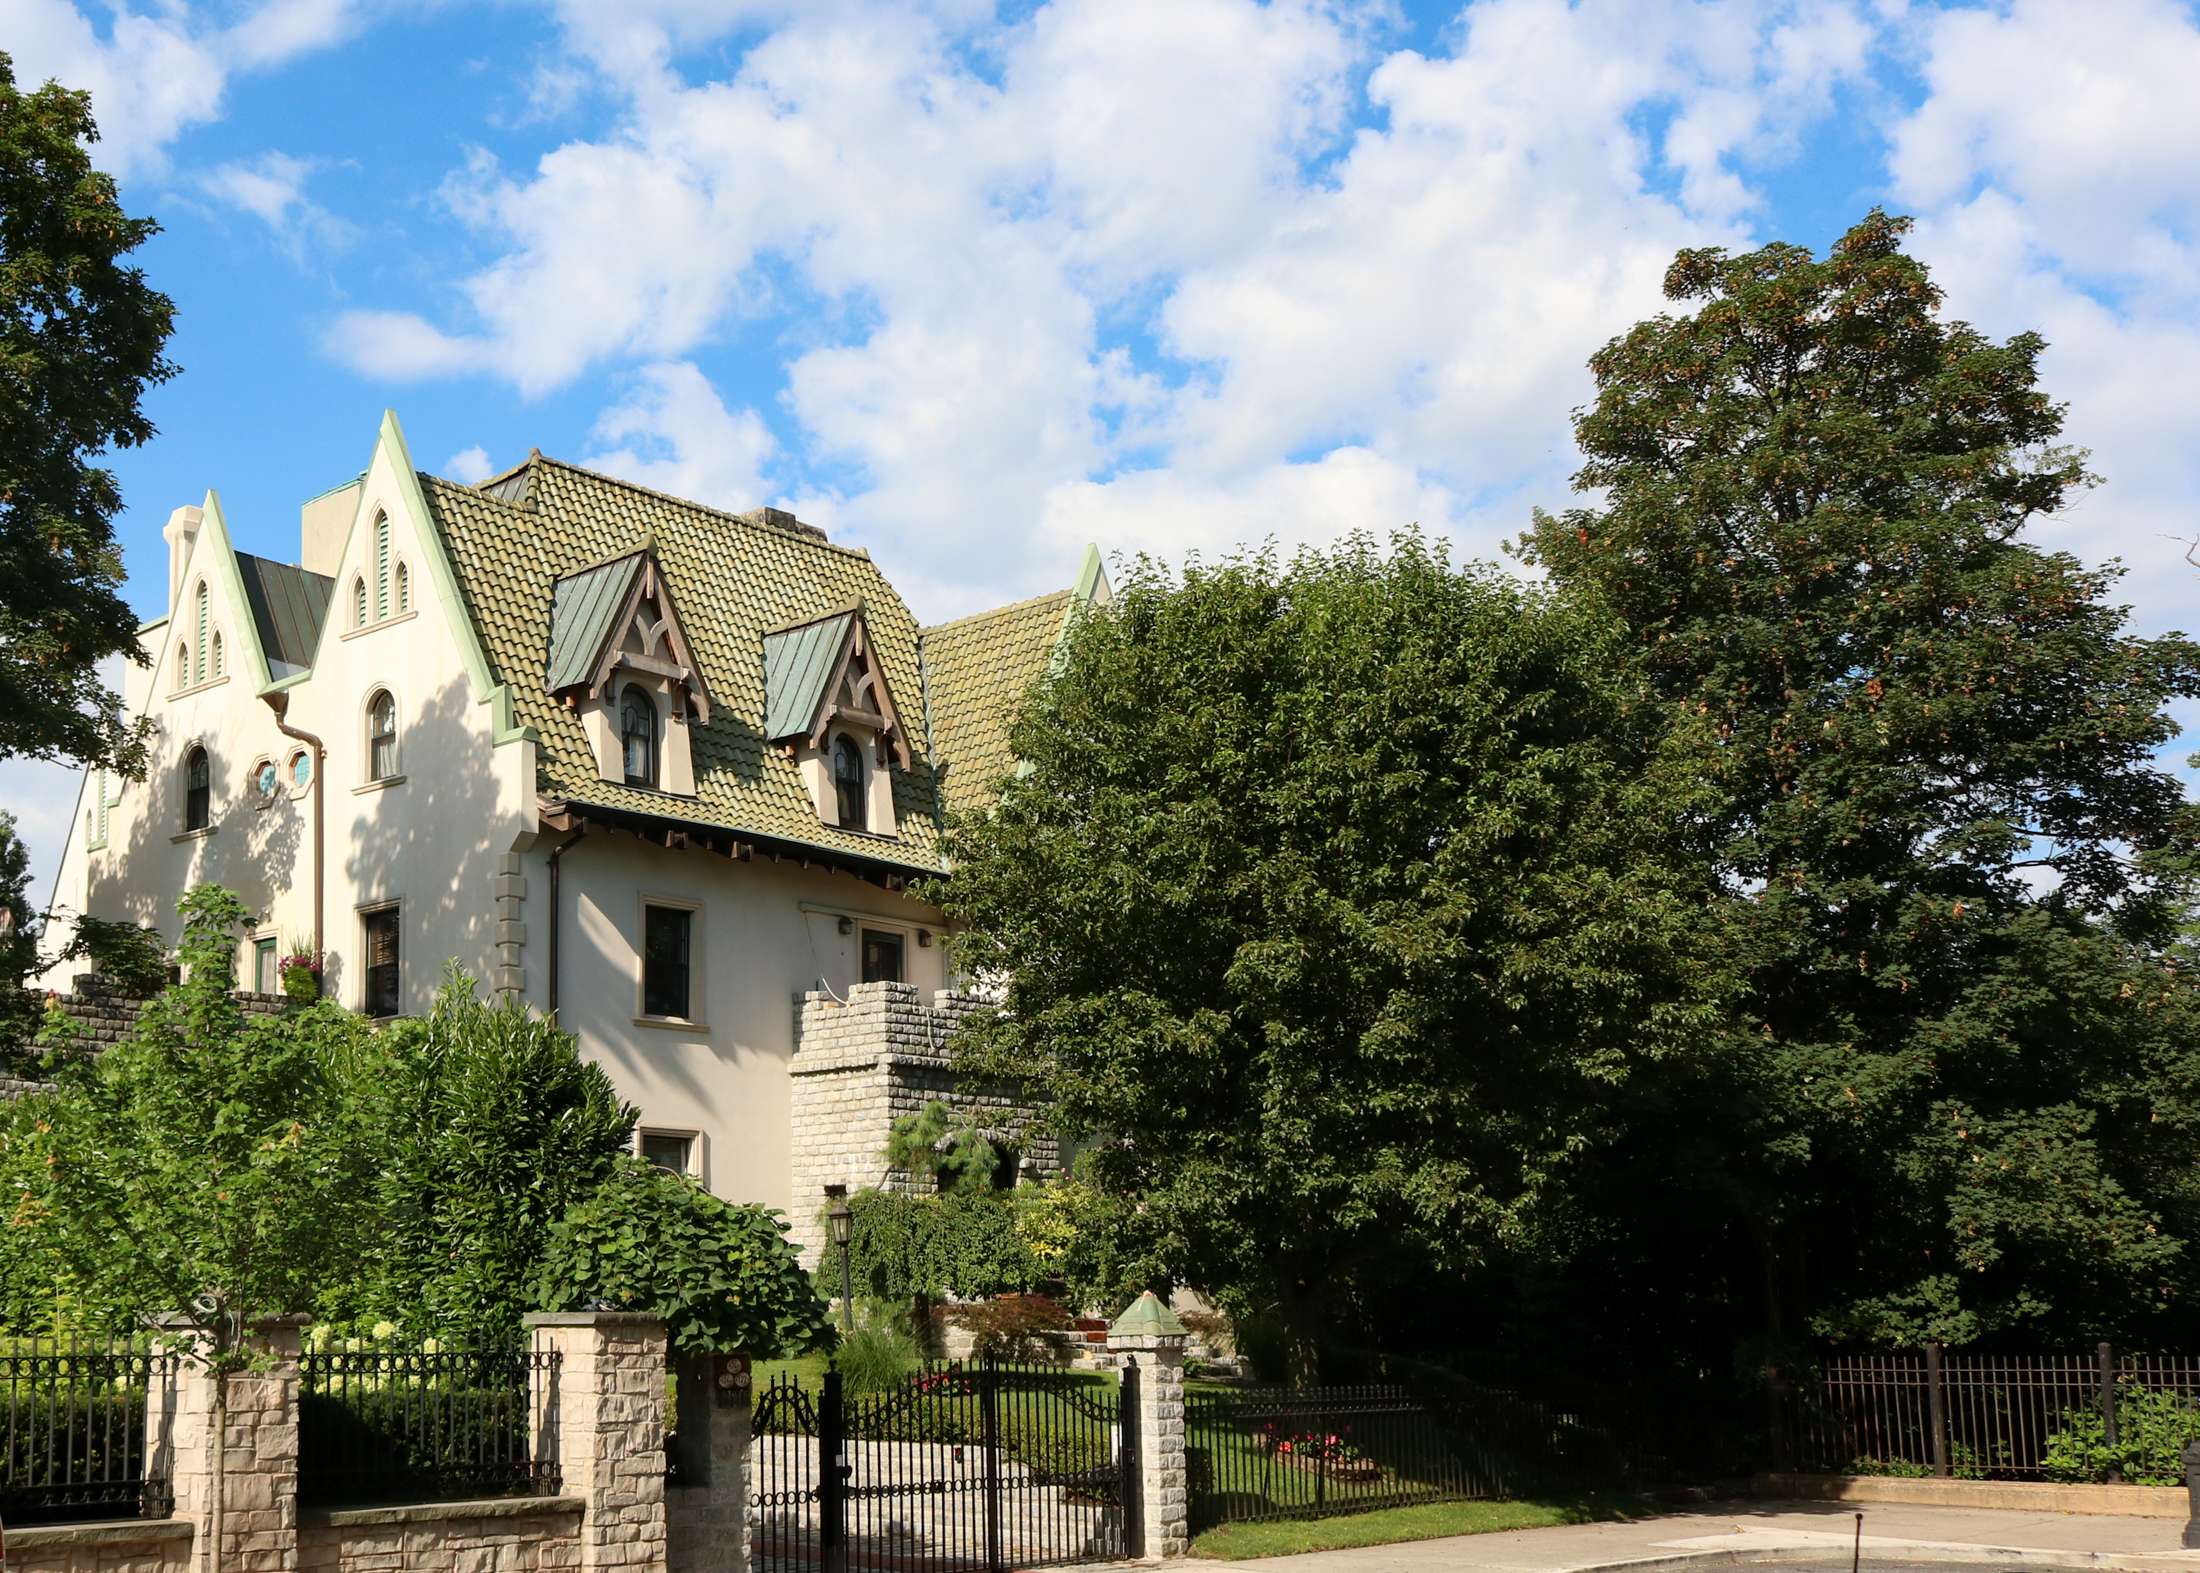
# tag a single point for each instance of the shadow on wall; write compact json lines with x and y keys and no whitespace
{"x":426,"y":845}
{"x":257,"y":846}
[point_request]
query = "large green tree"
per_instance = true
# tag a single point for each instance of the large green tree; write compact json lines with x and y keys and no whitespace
{"x":484,"y":1125}
{"x":18,"y":945}
{"x":1333,"y":901}
{"x":81,"y":335}
{"x":1958,"y":1092}
{"x":200,"y":1175}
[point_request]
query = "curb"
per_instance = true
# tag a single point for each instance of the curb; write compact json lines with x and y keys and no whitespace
{"x":1902,"y":1550}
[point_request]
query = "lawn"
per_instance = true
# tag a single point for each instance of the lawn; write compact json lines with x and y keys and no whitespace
{"x":1386,"y":1526}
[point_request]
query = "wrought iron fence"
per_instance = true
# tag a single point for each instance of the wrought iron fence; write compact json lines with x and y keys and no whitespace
{"x":417,"y":1420}
{"x":1974,"y":1416}
{"x":1262,"y":1453}
{"x":75,"y":1445}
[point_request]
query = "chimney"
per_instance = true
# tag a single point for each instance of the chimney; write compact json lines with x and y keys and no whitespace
{"x":182,"y":531}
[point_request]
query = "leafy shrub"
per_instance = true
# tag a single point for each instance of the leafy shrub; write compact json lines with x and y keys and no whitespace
{"x":723,"y":1277}
{"x":133,"y":959}
{"x":2152,"y":1428}
{"x":963,"y":1243}
{"x":1008,"y":1327}
{"x":1899,"y":1468}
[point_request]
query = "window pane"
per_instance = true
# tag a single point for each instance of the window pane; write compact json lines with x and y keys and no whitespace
{"x":665,"y":960}
{"x":666,"y":1152}
{"x":382,"y":962}
{"x":881,"y":957}
{"x":265,"y":978}
{"x":638,"y":734}
{"x":198,"y":796}
{"x":848,"y":784}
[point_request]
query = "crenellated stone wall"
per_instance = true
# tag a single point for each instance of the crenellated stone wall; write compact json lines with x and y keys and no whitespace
{"x":104,"y":1017}
{"x":861,"y":1065}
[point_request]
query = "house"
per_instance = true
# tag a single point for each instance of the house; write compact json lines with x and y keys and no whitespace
{"x":663,"y":771}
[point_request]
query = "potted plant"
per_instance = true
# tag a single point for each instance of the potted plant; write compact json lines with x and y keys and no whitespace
{"x":301,"y":973}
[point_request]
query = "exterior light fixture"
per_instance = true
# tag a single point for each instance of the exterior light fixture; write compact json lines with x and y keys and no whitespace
{"x":924,"y":939}
{"x":843,"y":1223}
{"x":847,"y":925}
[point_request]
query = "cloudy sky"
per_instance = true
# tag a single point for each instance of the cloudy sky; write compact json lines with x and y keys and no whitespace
{"x":971,"y":285}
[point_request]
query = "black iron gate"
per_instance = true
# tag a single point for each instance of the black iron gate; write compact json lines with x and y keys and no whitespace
{"x":960,"y":1468}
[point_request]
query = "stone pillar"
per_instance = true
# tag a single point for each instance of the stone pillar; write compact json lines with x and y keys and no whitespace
{"x":707,"y":1513}
{"x":611,"y":1433}
{"x":1150,"y":1334}
{"x":259,"y":1455}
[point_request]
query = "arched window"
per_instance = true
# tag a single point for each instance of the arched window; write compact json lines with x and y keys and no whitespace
{"x":198,"y":674}
{"x":638,"y":736}
{"x":217,"y":653}
{"x":359,"y":602}
{"x":848,"y":782}
{"x":198,"y":791}
{"x":404,"y":589}
{"x":183,"y":664}
{"x":381,"y":737}
{"x":381,"y":566}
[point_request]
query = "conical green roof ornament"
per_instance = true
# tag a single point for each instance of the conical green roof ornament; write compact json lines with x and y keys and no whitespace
{"x":1145,"y":1317}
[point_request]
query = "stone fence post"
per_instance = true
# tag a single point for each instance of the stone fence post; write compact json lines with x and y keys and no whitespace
{"x":610,"y":1413}
{"x":259,"y":1450}
{"x":707,"y":1513}
{"x":1150,"y":1333}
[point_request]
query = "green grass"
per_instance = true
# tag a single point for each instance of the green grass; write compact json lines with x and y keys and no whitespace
{"x":1386,"y":1526}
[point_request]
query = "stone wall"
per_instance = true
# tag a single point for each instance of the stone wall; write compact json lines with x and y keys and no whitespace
{"x":860,"y":1066}
{"x":131,"y":1546}
{"x":519,"y":1535}
{"x":105,"y":1017}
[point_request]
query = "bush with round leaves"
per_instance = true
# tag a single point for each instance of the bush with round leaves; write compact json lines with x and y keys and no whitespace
{"x":723,"y":1277}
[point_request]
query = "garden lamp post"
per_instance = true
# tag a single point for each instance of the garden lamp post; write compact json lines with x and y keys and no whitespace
{"x":843,"y":1220}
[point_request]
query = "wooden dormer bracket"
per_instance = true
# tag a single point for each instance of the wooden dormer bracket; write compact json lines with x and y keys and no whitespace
{"x":665,"y":651}
{"x":858,"y":668}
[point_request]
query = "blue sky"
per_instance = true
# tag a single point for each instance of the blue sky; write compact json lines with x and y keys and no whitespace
{"x":973,"y":285}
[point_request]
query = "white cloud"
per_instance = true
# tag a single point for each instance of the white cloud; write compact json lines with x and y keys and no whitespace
{"x":676,"y":435}
{"x":469,"y":466}
{"x":273,"y":190}
{"x":162,"y":70}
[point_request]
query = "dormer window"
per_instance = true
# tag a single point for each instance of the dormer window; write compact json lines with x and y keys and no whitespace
{"x":826,"y":697}
{"x":621,"y":662}
{"x":638,"y":736}
{"x":848,"y":783}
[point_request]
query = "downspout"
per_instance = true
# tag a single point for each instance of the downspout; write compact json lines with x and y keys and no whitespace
{"x":557,"y":907}
{"x":280,"y":704}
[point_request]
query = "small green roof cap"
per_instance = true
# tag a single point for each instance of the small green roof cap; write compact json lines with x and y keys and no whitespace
{"x":1146,"y":1317}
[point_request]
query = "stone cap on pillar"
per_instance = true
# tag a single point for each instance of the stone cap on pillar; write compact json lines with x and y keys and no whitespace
{"x":1146,"y":1324}
{"x":588,"y":1318}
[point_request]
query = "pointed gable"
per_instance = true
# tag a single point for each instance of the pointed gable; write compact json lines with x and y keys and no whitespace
{"x":824,"y":670}
{"x":620,"y":614}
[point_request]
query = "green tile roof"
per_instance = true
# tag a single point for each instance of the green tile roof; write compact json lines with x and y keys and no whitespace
{"x":544,"y":554}
{"x":734,"y":579}
{"x":977,"y":670}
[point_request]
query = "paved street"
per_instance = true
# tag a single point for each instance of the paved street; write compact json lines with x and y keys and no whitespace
{"x":1814,"y":1535}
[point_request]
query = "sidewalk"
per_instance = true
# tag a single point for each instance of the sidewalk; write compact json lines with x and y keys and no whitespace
{"x":1796,"y":1533}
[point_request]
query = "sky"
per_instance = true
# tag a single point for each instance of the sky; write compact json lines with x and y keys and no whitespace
{"x":971,"y":285}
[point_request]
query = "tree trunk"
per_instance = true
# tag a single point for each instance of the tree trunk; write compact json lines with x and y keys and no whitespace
{"x":1301,"y":1303}
{"x":221,"y":1452}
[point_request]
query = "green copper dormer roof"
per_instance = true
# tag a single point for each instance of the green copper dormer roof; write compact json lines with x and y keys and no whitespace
{"x":288,"y":604}
{"x":582,"y":609}
{"x":798,"y":663}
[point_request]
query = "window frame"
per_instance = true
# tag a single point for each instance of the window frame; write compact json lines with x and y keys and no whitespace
{"x":846,"y":746}
{"x":692,"y":1140}
{"x":697,"y":1019}
{"x":376,"y":775}
{"x":369,"y":914}
{"x":900,"y":937}
{"x":654,"y":750}
{"x":269,"y":946}
{"x":198,"y":796}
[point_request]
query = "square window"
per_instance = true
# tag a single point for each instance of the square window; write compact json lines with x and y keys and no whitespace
{"x":668,"y":1151}
{"x":881,"y":957}
{"x":665,"y":936}
{"x":382,"y":962}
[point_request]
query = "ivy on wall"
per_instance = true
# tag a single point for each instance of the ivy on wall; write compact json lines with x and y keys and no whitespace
{"x":965,"y":1243}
